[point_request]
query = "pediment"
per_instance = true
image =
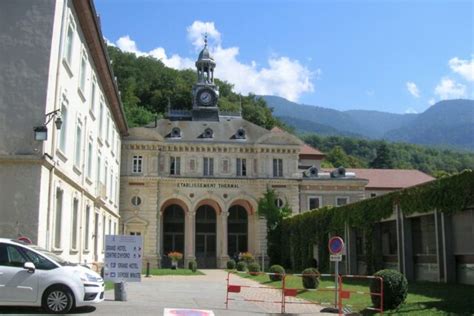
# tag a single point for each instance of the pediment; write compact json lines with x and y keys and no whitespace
{"x":137,"y":221}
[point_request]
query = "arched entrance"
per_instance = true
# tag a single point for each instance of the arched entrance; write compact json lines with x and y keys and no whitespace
{"x":237,"y":229}
{"x":173,"y":232}
{"x":206,"y":237}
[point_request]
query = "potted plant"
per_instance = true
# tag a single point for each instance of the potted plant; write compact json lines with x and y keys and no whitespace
{"x":175,"y":256}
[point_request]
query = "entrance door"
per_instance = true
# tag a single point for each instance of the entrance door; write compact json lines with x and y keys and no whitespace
{"x":206,"y":237}
{"x":237,"y":224}
{"x":173,"y":232}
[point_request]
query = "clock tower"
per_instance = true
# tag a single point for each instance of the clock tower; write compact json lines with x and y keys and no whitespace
{"x":205,"y":92}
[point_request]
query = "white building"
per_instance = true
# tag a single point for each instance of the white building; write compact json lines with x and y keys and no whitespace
{"x":63,"y":192}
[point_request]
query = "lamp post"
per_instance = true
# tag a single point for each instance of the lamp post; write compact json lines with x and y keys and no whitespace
{"x":41,"y":132}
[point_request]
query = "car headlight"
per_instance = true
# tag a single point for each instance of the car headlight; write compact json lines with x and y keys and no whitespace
{"x":87,"y":277}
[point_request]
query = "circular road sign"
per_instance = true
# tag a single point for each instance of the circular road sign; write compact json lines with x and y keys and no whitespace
{"x":336,"y":245}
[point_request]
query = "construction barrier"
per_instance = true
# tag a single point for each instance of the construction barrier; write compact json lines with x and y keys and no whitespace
{"x":237,"y":288}
{"x":342,"y":293}
{"x":346,"y":294}
{"x":292,"y":292}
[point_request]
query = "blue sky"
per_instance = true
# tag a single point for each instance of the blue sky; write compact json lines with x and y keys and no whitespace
{"x":394,"y":56}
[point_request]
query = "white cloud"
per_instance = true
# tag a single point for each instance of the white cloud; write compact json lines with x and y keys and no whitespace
{"x":370,"y":93}
{"x":126,"y":44}
{"x":465,"y":68}
{"x":198,"y":29}
{"x":431,"y":101}
{"x":413,"y":89}
{"x":411,"y":111}
{"x":449,"y":89}
{"x":281,"y":76}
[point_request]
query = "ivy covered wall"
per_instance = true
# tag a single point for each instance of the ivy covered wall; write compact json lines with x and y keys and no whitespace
{"x":299,"y":233}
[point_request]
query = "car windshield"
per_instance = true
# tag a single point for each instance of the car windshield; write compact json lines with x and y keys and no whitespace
{"x":51,"y":255}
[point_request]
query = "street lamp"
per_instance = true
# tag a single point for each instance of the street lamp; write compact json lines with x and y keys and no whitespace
{"x":41,"y":132}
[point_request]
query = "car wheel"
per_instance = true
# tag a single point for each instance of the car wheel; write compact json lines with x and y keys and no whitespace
{"x":57,"y":300}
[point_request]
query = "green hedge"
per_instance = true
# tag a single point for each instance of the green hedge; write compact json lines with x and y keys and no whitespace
{"x":297,"y":235}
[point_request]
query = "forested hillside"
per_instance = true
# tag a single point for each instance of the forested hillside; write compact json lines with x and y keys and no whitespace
{"x":147,"y":85}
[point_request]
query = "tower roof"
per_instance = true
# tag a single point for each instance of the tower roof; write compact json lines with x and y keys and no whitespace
{"x":204,"y":55}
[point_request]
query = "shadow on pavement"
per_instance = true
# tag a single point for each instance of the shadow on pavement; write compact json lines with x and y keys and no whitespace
{"x":38,"y":310}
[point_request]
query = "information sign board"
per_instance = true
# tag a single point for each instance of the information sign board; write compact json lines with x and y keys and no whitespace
{"x":335,"y":258}
{"x":123,"y":258}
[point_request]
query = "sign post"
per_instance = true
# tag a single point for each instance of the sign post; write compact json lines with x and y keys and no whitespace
{"x":123,"y":262}
{"x":336,"y":247}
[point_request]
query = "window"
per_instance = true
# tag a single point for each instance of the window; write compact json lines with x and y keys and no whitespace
{"x":39,"y":261}
{"x":78,"y":148}
{"x":58,"y":218}
{"x":107,"y":131}
{"x":110,"y":227}
{"x":135,"y":233}
{"x":113,"y":141}
{"x":101,"y":119}
{"x":11,"y":256}
{"x":75,"y":214}
{"x":98,"y":168}
{"x":111,"y":186}
{"x":117,"y":190}
{"x":93,"y":88}
{"x":424,"y":235}
{"x":136,"y":200}
{"x":342,"y":201}
{"x":83,"y":73}
{"x":389,"y":238}
{"x":208,"y":166}
{"x":86,"y":228}
{"x":373,"y":194}
{"x":137,"y":164}
{"x":192,"y":164}
{"x":278,"y":167}
{"x":114,"y":232}
{"x":103,"y":233}
{"x":279,"y":203}
{"x":63,"y":130}
{"x":106,"y":176}
{"x":175,"y":166}
{"x":225,"y":165}
{"x":314,"y":202}
{"x":89,"y":160}
{"x":69,"y":43}
{"x":241,"y":167}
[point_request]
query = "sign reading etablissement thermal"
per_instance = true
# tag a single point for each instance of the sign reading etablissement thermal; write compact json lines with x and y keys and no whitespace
{"x":123,"y":258}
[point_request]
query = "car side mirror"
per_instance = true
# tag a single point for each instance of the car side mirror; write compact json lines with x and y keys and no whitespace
{"x":30,"y":267}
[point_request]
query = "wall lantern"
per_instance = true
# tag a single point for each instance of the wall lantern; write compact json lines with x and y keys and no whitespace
{"x":41,"y":132}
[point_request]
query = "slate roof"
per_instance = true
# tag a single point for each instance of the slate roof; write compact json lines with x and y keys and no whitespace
{"x":391,"y":178}
{"x":224,"y":131}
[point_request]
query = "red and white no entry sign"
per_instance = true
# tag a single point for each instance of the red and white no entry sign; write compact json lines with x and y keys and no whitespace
{"x":336,"y":245}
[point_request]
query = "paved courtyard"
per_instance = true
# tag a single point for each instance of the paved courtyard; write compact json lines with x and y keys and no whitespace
{"x":152,"y":295}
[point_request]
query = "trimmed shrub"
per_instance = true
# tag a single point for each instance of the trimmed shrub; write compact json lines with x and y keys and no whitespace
{"x":276,"y":269}
{"x":254,"y":268}
{"x":192,"y":265}
{"x":231,"y":264}
{"x":310,"y":278}
{"x":241,"y":266}
{"x":246,"y":256}
{"x":395,"y":289}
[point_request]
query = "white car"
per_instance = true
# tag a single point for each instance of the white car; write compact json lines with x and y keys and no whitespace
{"x":32,"y":276}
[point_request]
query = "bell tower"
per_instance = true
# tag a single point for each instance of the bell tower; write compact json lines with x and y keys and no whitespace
{"x":205,"y":92}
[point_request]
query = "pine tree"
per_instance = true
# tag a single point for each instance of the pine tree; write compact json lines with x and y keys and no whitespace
{"x":383,"y":160}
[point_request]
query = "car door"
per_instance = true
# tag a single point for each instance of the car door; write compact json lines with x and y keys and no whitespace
{"x":16,"y":283}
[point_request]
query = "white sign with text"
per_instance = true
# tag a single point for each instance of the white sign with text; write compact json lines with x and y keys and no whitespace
{"x":123,"y":258}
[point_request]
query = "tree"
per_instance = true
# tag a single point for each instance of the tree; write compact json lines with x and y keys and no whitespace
{"x":268,"y":208}
{"x":383,"y":160}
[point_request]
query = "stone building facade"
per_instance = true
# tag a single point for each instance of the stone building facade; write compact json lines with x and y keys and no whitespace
{"x":62,"y":192}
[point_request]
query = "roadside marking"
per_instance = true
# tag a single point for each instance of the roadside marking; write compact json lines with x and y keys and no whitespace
{"x":187,"y":312}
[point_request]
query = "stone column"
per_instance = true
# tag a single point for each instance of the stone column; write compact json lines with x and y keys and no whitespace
{"x":224,"y":256}
{"x":406,"y":246}
{"x":189,"y":237}
{"x":159,"y":234}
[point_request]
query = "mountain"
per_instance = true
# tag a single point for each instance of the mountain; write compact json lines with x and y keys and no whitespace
{"x":448,"y":123}
{"x":369,"y":124}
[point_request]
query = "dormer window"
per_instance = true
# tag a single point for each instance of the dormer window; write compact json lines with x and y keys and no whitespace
{"x":240,"y":134}
{"x":175,"y":132}
{"x":208,"y":133}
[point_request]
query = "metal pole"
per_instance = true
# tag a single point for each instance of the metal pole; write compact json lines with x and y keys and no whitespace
{"x":336,"y":275}
{"x":147,"y":269}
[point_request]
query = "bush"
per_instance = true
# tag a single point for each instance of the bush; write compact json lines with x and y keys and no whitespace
{"x":395,"y":289}
{"x":310,"y":278}
{"x":192,"y":265}
{"x":246,"y":256}
{"x":231,"y":264}
{"x":241,"y":266}
{"x":276,"y":269}
{"x":254,"y":267}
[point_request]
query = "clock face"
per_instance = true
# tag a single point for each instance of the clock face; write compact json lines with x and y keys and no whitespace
{"x":206,"y":97}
